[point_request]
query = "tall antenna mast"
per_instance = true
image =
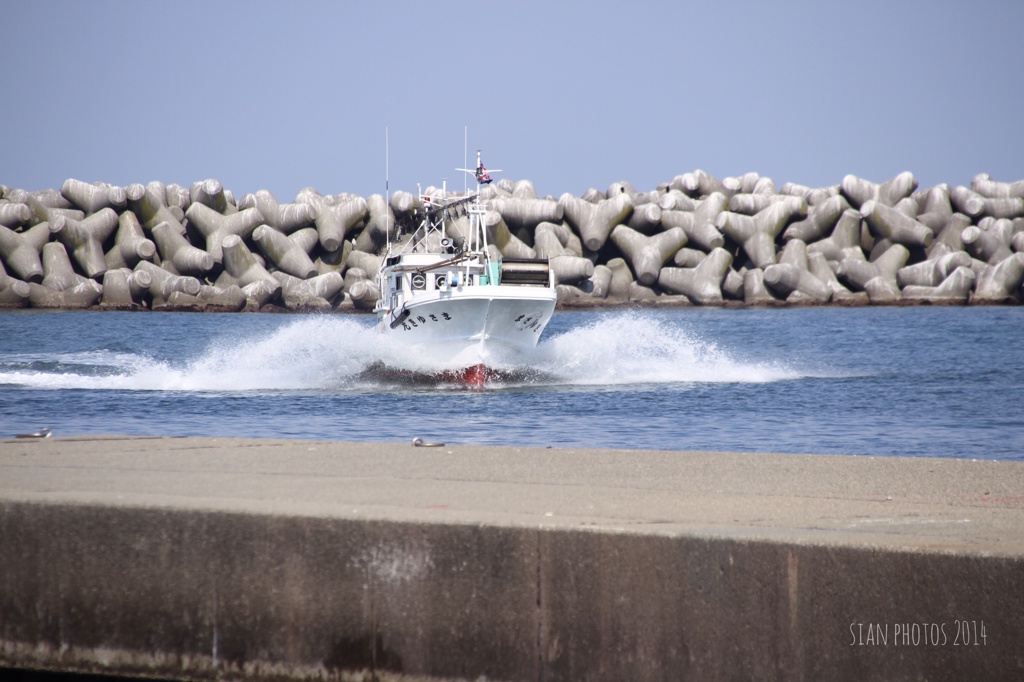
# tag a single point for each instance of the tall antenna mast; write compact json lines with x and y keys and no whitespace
{"x":387,"y":189}
{"x":465,"y":158}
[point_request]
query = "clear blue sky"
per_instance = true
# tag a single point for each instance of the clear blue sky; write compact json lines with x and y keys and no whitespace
{"x":283,"y":95}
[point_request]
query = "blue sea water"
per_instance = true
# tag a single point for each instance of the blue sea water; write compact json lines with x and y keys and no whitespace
{"x":937,"y":381}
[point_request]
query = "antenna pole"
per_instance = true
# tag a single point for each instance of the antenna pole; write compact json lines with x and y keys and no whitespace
{"x":387,"y":189}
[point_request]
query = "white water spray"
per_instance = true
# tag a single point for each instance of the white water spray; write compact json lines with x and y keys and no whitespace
{"x":338,"y":353}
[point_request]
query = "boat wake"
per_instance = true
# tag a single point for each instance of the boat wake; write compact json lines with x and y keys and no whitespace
{"x":340,"y":354}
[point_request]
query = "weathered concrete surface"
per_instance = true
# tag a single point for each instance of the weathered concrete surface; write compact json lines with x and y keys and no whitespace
{"x":277,"y":559}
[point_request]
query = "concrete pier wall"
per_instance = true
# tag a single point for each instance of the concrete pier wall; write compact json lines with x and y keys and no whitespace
{"x":197,"y":594}
{"x":851,"y":223}
{"x":295,"y":560}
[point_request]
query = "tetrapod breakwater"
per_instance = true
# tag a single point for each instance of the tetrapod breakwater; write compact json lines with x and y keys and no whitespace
{"x":694,"y":240}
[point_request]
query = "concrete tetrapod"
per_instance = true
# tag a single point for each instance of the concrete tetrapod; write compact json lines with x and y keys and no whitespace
{"x":177,"y":198}
{"x":1004,"y":207}
{"x":882,"y":290}
{"x":792,"y":274}
{"x":699,"y":183}
{"x":62,"y":287}
{"x":931,"y":273}
{"x":260,"y":293}
{"x":984,"y":245}
{"x":948,"y":238}
{"x":858,"y":190}
{"x":732,"y":285}
{"x":243,"y":269}
{"x":746,"y":183}
{"x":363,"y":294}
{"x":46,"y":206}
{"x":335,"y":219}
{"x":21,"y":251}
{"x":117,"y":291}
{"x":501,"y":237}
{"x":955,"y":287}
{"x":215,"y":227}
{"x":645,"y":219}
{"x":845,"y":236}
{"x":177,"y":255}
{"x":546,"y":243}
{"x":787,"y":280}
{"x":620,"y":187}
{"x":306,"y":239}
{"x":139,"y":281}
{"x":601,"y":281}
{"x":92,"y":198}
{"x":14,"y":293}
{"x":163,"y":283}
{"x":699,"y":225}
{"x":85,"y":294}
{"x":14,"y":214}
{"x":933,"y":200}
{"x":967,"y":201}
{"x":688,"y":258}
{"x":1002,"y":229}
{"x":151,"y":210}
{"x":622,"y":278}
{"x":1000,"y":283}
{"x":300,"y":293}
{"x":813,"y":195}
{"x":675,"y":200}
{"x":333,"y":261}
{"x":983,"y":184}
{"x":638,"y":292}
{"x":819,"y":267}
{"x":646,"y":254}
{"x":754,"y":290}
{"x":353,"y":275}
{"x":403,"y":203}
{"x":284,"y":218}
{"x":380,"y":224}
{"x":527,"y":213}
{"x":751,"y":204}
{"x":702,"y":284}
{"x":52,"y":198}
{"x":229,"y":299}
{"x":524,"y":189}
{"x":284,"y":253}
{"x":594,"y":222}
{"x":650,"y":197}
{"x":571,"y":269}
{"x":569,"y":240}
{"x":59,"y":273}
{"x":756,"y":234}
{"x":85,"y":239}
{"x":367,"y":262}
{"x":858,"y":273}
{"x":210,"y":193}
{"x":130,"y":244}
{"x":888,"y":223}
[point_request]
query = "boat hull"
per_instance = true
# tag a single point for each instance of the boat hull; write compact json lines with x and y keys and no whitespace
{"x":463,"y":329}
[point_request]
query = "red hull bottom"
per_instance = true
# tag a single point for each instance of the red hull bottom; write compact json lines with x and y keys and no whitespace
{"x":474,"y":376}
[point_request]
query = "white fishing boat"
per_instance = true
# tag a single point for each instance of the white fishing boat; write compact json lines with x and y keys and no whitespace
{"x":445,"y":291}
